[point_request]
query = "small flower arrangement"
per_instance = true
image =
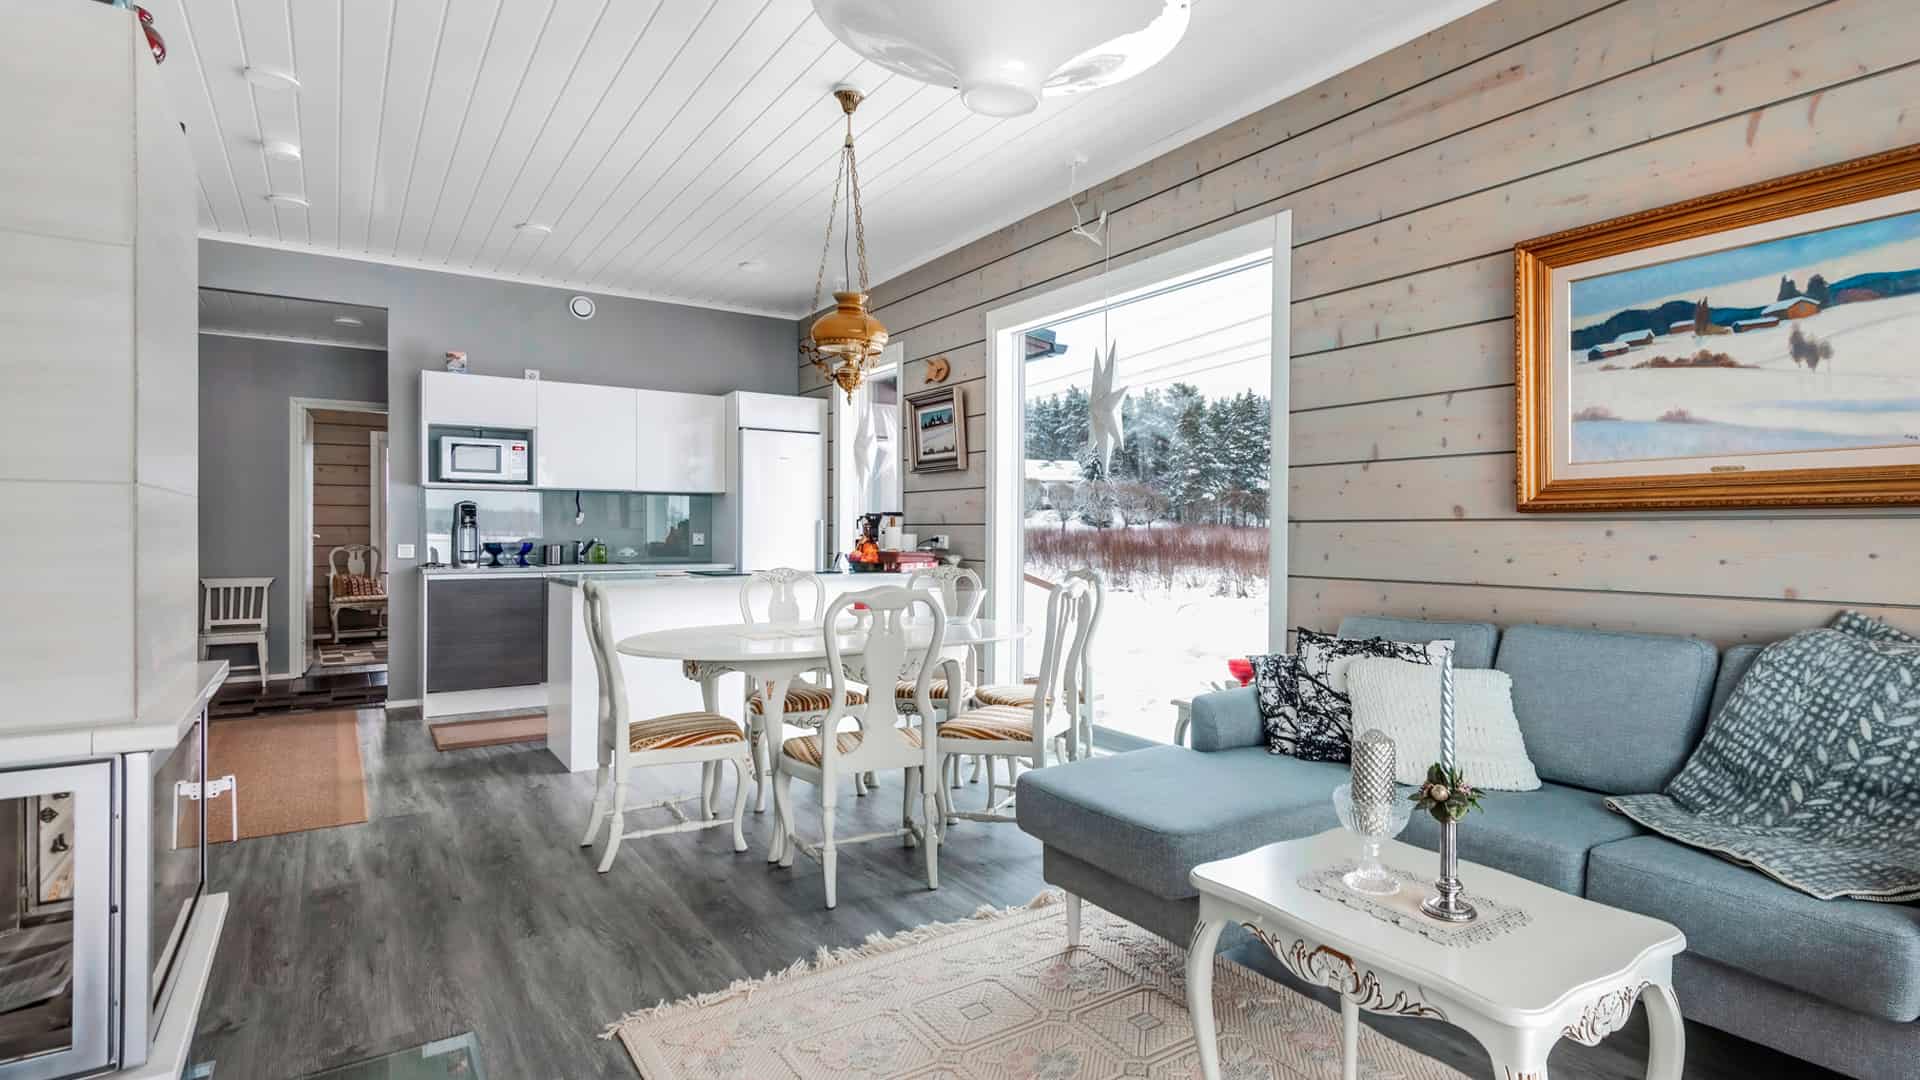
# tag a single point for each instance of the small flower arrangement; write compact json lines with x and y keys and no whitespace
{"x":1447,"y":796}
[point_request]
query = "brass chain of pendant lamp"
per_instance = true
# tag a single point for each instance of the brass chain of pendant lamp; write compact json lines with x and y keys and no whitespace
{"x":846,"y":341}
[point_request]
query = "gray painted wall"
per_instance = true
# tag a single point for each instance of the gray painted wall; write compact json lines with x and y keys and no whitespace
{"x":244,"y":387}
{"x":504,"y":328}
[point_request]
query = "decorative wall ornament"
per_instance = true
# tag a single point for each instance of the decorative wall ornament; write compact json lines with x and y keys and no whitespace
{"x":938,"y":369}
{"x":1746,"y":349}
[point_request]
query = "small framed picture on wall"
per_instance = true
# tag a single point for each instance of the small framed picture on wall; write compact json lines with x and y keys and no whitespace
{"x":937,"y":433}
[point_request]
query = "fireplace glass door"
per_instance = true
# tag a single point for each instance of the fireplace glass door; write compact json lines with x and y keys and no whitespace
{"x":55,"y":837}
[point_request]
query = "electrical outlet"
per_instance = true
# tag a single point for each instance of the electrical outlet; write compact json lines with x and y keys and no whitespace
{"x":403,"y":551}
{"x":532,"y":374}
{"x":699,"y":539}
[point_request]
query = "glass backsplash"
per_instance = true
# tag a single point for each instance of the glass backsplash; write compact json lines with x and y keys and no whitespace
{"x":637,"y":527}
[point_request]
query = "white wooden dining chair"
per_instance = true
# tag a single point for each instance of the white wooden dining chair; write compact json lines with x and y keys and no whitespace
{"x":356,"y":582}
{"x":961,"y":594}
{"x":886,"y":738}
{"x":627,"y":744}
{"x":950,"y":584}
{"x":233,"y":611}
{"x":805,"y":704}
{"x":1025,"y":733}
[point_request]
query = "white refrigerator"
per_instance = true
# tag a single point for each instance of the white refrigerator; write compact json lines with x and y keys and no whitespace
{"x":780,"y":490}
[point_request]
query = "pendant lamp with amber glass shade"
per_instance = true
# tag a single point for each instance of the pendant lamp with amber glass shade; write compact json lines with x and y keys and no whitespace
{"x":844,"y":343}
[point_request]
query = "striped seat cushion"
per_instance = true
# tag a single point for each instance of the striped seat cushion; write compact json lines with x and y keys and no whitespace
{"x":809,"y":699}
{"x":806,"y":748}
{"x":994,"y":723}
{"x":936,"y":689}
{"x":681,"y":731}
{"x":1020,"y":694}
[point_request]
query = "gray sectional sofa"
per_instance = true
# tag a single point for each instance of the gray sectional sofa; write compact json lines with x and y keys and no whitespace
{"x":1832,"y":982}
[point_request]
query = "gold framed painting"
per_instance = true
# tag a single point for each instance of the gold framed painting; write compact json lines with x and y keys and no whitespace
{"x":1756,"y":348}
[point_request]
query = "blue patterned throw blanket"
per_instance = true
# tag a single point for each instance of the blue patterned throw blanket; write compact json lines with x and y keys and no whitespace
{"x":1811,"y":771}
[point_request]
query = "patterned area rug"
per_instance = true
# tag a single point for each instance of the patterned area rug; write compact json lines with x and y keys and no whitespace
{"x":1000,"y":997}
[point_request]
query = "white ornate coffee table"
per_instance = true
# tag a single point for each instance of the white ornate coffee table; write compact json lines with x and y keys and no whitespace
{"x":1573,"y":970}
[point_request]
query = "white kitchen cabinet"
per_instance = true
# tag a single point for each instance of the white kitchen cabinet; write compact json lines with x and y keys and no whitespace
{"x":477,"y":401}
{"x":682,"y":442}
{"x":584,"y":437}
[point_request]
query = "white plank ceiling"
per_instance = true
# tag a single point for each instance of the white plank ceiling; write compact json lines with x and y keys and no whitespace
{"x":678,"y":149}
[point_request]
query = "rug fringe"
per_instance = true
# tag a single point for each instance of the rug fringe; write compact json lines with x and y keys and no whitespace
{"x":825,"y":959}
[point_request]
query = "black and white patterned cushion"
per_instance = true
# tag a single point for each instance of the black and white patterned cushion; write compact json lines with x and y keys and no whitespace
{"x":1318,"y":723}
{"x":1273,"y":688}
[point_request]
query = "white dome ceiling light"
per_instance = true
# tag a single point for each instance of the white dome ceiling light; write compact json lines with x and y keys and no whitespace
{"x":1004,"y":55}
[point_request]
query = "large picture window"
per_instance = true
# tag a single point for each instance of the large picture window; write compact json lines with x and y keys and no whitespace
{"x":1145,"y":452}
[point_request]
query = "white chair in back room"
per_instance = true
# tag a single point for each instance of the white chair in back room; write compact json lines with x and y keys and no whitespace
{"x":233,"y":611}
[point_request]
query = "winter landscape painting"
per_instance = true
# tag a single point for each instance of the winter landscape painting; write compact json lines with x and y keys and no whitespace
{"x":1750,"y":348}
{"x":1800,"y":343}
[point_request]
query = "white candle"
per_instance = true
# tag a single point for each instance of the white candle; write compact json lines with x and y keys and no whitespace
{"x":1446,"y":712}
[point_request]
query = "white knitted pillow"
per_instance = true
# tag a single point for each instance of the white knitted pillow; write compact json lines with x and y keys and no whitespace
{"x":1403,"y":700}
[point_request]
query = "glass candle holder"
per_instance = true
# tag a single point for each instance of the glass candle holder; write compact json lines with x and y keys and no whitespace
{"x":1373,"y":825}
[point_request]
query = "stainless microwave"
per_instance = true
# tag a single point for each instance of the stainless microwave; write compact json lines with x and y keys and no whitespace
{"x":468,"y":459}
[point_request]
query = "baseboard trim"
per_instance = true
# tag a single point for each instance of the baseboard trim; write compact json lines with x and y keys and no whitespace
{"x":403,"y":703}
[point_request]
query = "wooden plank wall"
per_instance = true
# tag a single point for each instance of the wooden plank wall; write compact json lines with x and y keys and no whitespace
{"x":341,"y":511}
{"x":1410,"y":178}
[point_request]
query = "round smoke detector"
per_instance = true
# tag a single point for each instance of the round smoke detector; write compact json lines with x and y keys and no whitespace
{"x":581,"y":306}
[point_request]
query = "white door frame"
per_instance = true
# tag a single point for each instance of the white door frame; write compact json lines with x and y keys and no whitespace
{"x":1006,"y":394}
{"x":377,"y":495}
{"x":300,"y":521}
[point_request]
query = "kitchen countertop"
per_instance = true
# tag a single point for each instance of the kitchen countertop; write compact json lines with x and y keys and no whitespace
{"x":575,"y":570}
{"x":57,"y":741}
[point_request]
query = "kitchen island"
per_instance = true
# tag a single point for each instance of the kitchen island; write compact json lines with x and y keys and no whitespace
{"x":483,"y":632}
{"x":656,"y":687}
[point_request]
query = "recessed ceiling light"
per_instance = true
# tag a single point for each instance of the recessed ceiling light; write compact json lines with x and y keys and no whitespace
{"x":534,"y":227}
{"x":285,"y":151}
{"x":283,"y":199}
{"x":271,"y":78}
{"x":581,"y":306}
{"x":348,"y":320}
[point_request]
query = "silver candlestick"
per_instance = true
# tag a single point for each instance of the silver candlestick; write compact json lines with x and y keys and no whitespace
{"x":1447,"y":902}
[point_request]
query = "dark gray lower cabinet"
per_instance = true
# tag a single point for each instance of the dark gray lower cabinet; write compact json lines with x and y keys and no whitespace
{"x":484,"y":634}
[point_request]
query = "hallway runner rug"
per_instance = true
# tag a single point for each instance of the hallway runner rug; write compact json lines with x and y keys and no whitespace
{"x":292,"y":772}
{"x":1000,"y":995}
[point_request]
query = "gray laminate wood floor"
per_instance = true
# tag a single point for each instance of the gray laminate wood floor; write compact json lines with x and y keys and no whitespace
{"x":465,"y":904}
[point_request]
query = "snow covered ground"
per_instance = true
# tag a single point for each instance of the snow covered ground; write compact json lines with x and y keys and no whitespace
{"x":1157,"y":645}
{"x":1866,"y":394}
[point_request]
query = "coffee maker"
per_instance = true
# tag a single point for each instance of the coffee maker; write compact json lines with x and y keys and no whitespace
{"x":466,"y":534}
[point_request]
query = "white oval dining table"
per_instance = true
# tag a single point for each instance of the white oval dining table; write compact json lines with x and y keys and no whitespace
{"x":773,"y":655}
